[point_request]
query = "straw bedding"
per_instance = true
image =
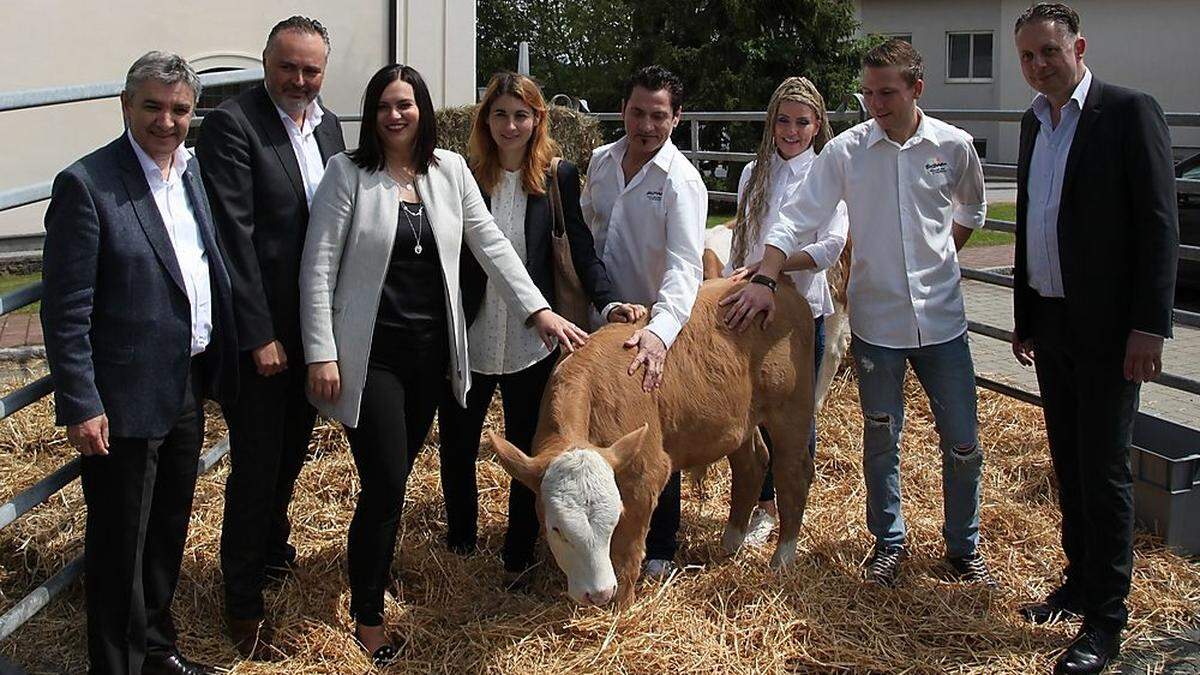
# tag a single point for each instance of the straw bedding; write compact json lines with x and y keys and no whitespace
{"x":718,"y":615}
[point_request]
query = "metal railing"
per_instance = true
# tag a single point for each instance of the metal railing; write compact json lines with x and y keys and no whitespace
{"x":31,"y":497}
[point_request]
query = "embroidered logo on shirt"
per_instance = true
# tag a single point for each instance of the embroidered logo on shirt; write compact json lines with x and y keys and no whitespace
{"x":936,"y":166}
{"x":653,"y":196}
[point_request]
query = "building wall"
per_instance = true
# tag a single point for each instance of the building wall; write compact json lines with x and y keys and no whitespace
{"x":61,"y":42}
{"x":1148,"y":45}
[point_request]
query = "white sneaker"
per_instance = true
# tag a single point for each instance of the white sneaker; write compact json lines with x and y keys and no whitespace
{"x":656,"y":569}
{"x":762,"y":523}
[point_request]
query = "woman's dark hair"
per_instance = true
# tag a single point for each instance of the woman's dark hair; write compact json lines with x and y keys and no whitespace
{"x":369,"y":153}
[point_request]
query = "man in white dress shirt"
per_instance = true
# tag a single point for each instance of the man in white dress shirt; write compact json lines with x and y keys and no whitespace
{"x":913,"y":186}
{"x":138,"y":318}
{"x":647,"y":207}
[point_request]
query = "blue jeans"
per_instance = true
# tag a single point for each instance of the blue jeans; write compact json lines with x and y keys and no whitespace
{"x":947,"y":375}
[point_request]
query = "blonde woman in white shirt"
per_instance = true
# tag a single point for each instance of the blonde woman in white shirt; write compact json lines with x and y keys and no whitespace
{"x":510,"y":152}
{"x":796,"y":129}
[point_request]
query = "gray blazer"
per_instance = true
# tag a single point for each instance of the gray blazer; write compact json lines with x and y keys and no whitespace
{"x":351,"y":230}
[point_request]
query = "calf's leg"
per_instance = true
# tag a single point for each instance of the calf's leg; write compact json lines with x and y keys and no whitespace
{"x":793,"y":476}
{"x":747,"y":465}
{"x":639,"y":496}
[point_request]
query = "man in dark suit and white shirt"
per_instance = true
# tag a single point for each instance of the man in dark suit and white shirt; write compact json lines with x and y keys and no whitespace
{"x":264,"y":153}
{"x":138,"y":321}
{"x":1096,"y":250}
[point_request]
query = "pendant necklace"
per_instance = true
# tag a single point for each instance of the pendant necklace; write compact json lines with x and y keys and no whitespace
{"x":419,"y":227}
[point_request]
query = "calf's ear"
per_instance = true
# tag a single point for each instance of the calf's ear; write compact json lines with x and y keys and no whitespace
{"x":626,"y":448}
{"x":528,"y":470}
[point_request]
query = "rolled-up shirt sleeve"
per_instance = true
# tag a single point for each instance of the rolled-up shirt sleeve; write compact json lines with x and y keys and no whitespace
{"x":831,"y":239}
{"x":687,"y":212}
{"x":970,"y":203}
{"x":815,"y":202}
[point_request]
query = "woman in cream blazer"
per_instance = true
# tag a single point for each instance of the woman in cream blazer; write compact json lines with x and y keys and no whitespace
{"x":381,"y":310}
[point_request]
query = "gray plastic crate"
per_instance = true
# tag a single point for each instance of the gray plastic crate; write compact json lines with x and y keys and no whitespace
{"x":1166,"y":481}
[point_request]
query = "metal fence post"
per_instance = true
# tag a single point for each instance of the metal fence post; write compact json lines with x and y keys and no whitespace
{"x":695,"y":128}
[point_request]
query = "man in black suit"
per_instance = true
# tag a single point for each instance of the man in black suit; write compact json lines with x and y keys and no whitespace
{"x":138,"y":320}
{"x":264,"y":153}
{"x":1097,"y":241}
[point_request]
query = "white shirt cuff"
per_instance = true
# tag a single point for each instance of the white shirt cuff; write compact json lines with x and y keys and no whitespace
{"x":818,"y":252}
{"x":665,"y":327}
{"x":781,"y":241}
{"x":607,"y":309}
{"x":972,"y":216}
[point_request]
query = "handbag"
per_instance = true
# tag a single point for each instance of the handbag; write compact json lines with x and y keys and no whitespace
{"x":570,"y":302}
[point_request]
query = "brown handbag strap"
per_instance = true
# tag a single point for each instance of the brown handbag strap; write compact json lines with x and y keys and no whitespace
{"x":560,"y":221}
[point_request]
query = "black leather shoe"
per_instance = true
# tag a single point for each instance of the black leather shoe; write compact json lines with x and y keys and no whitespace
{"x":1089,"y":652}
{"x":1060,"y":605}
{"x":174,"y":664}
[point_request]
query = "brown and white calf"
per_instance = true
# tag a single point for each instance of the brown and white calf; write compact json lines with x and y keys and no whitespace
{"x":604,"y":449}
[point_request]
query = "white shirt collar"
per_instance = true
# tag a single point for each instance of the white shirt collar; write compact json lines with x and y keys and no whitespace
{"x":178,"y":163}
{"x":1041,"y":104}
{"x":924,"y":132}
{"x":662,"y":159}
{"x":796,"y":164}
{"x":312,"y":116}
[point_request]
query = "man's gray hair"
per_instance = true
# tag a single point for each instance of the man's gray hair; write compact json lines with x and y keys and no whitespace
{"x":162,"y":67}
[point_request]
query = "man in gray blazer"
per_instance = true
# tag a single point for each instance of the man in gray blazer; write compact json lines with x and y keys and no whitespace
{"x":138,"y":322}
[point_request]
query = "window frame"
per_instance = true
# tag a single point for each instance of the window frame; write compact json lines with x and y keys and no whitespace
{"x":970,"y":79}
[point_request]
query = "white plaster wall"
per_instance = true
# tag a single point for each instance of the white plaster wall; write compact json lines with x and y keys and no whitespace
{"x":61,"y":42}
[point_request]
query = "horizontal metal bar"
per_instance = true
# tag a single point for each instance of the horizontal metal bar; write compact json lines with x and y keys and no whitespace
{"x":21,"y":243}
{"x":987,"y":277}
{"x":1000,"y":225}
{"x":1186,"y":318}
{"x":36,"y":98}
{"x":718,"y":196}
{"x":1008,"y":390}
{"x":1187,"y":252}
{"x":41,"y":596}
{"x":22,"y":297}
{"x":707,"y":156}
{"x":1187,"y":186}
{"x":1000,"y":170}
{"x":21,"y":196}
{"x":38,"y":492}
{"x":22,"y":397}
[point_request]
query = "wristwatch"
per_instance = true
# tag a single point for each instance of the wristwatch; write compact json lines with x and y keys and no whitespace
{"x":765,"y":281}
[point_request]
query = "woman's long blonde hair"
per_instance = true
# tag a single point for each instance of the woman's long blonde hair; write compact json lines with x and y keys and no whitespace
{"x":484,"y":156}
{"x":753,"y":205}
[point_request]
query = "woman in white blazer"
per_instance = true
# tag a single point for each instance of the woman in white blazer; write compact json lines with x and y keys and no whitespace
{"x":382,"y":315}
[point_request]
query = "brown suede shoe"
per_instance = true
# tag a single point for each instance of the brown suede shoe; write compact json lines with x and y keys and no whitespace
{"x":253,"y":638}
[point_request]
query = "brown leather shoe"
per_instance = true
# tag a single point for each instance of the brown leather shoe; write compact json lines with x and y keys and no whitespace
{"x":253,"y":638}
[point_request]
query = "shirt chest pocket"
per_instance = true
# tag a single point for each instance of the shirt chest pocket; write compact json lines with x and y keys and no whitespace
{"x":937,"y":178}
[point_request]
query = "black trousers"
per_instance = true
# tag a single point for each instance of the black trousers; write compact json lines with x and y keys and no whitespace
{"x":662,"y":540}
{"x":269,"y":430}
{"x":401,"y":395}
{"x":1089,"y":408}
{"x":460,"y":435}
{"x":139,"y":499}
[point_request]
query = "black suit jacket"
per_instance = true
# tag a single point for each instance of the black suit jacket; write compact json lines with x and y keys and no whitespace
{"x":1118,"y":226}
{"x":257,"y":194}
{"x":115,"y":314}
{"x":539,"y":249}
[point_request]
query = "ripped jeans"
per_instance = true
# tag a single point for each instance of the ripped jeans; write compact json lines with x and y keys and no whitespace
{"x":947,"y":375}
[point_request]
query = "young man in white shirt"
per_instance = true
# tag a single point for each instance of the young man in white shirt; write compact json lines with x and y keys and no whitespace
{"x":647,"y":207}
{"x":913,"y":186}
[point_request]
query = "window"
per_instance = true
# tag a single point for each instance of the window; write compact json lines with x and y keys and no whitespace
{"x":212,"y":96}
{"x":907,"y":37}
{"x":969,"y":57}
{"x":980,"y":147}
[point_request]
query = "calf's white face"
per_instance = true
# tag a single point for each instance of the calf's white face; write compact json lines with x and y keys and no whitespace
{"x":580,"y":506}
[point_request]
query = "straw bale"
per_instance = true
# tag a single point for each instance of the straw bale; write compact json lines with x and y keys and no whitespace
{"x":577,"y":134}
{"x":717,"y":615}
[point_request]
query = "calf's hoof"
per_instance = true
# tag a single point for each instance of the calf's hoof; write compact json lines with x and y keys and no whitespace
{"x":732,"y":539}
{"x":784,"y":556}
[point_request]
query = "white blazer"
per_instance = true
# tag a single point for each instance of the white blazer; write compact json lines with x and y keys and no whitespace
{"x":351,"y":229}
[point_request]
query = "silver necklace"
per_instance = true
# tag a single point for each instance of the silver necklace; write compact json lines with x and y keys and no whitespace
{"x":420,"y":226}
